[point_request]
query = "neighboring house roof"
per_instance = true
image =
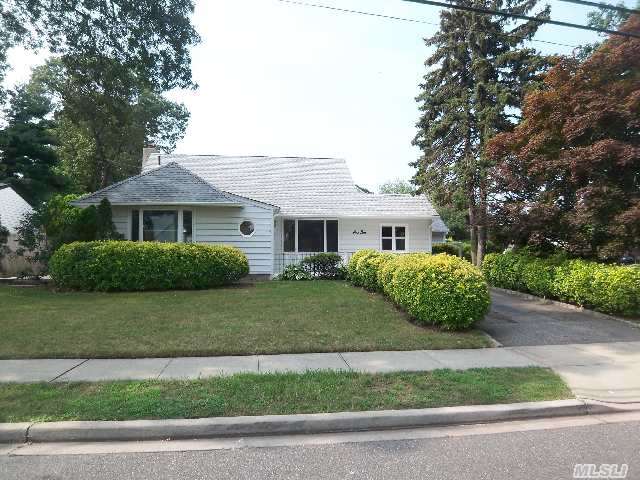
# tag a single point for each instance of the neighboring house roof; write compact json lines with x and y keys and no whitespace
{"x":169,"y":184}
{"x":301,"y":187}
{"x":12,"y":208}
{"x":439,"y":226}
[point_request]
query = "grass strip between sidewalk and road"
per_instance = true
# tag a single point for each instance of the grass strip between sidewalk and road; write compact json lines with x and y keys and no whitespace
{"x":272,"y":394}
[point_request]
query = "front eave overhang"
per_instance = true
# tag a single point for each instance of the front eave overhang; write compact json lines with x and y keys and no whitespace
{"x":161,"y":204}
{"x":319,"y":216}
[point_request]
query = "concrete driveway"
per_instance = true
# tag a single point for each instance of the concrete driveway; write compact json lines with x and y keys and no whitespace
{"x":516,"y":321}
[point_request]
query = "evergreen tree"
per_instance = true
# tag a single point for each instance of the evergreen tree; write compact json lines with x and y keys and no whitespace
{"x":27,"y":156}
{"x":476,"y":79}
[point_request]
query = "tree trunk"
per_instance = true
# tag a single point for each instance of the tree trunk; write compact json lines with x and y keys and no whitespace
{"x":482,"y":245}
{"x":473,"y":230}
{"x":482,"y":223}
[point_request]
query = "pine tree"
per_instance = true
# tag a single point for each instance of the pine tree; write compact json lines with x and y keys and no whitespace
{"x":28,"y":159}
{"x":475,"y":82}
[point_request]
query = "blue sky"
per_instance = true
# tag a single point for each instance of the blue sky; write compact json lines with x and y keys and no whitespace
{"x":282,"y":79}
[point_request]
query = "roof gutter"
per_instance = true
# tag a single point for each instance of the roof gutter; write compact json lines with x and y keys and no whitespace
{"x":382,"y":216}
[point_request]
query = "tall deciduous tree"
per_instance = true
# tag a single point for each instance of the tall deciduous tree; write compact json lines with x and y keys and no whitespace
{"x":148,"y":37}
{"x":477,"y":75}
{"x":398,"y":186}
{"x":105,"y":115}
{"x":570,"y":172}
{"x":113,"y":59}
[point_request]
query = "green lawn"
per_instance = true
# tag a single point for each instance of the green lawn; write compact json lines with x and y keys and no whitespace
{"x":268,"y":317}
{"x":252,"y":394}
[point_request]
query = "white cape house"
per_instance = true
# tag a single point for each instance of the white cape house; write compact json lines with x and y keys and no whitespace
{"x":277,"y":210}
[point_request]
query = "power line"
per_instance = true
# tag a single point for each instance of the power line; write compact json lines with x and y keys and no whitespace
{"x":606,"y":6}
{"x":487,"y":11}
{"x":411,"y":20}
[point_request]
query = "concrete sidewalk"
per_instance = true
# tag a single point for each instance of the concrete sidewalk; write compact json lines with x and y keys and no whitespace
{"x":600,"y":371}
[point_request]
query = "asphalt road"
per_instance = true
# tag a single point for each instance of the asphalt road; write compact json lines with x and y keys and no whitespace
{"x":515,"y":321}
{"x":549,"y":453}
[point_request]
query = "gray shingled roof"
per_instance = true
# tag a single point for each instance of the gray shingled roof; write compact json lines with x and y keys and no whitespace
{"x":299,"y":186}
{"x":168,"y":184}
{"x":439,"y":226}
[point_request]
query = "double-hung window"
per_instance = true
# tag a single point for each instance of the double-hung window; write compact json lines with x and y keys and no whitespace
{"x":311,"y":236}
{"x":393,"y":238}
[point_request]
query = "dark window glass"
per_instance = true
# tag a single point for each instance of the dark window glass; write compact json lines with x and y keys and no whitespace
{"x":387,"y":244}
{"x":187,"y":226}
{"x":387,"y":231}
{"x":332,"y":235}
{"x":247,"y":228}
{"x":289,"y":235}
{"x":160,"y":226}
{"x":135,"y":225}
{"x":400,"y":232}
{"x":400,"y":243}
{"x":310,"y":236}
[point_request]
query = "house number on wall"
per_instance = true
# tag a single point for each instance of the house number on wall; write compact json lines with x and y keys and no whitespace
{"x":361,"y":232}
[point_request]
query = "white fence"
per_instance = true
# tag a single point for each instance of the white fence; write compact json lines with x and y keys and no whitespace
{"x":290,"y":258}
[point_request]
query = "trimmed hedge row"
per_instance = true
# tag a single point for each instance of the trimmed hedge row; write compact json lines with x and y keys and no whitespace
{"x":441,"y":290}
{"x":611,"y":289}
{"x":130,"y":266}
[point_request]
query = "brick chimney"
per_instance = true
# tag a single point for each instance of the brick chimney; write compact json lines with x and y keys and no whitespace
{"x":150,"y":156}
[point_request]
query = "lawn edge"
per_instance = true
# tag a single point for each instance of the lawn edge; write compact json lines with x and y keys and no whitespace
{"x":173,"y":429}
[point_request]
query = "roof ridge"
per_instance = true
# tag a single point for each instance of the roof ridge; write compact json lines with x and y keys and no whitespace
{"x":126,"y":180}
{"x":200,"y":179}
{"x":249,"y":156}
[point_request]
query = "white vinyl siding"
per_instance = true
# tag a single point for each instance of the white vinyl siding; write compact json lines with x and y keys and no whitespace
{"x":220,"y":226}
{"x":418,"y":233}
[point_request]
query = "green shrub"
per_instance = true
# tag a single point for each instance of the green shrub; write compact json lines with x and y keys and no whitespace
{"x":617,"y":290}
{"x":294,"y":271}
{"x":388,"y":268}
{"x":611,"y":289}
{"x":57,"y":222}
{"x":450,"y":248}
{"x":539,"y":276}
{"x":324,"y":265}
{"x":127,"y":266}
{"x":574,"y":282}
{"x":504,"y":270}
{"x":441,"y":290}
{"x":353,"y":272}
{"x":368,"y":268}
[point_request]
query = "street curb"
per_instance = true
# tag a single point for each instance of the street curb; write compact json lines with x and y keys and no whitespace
{"x":14,"y":432}
{"x":140,"y":430}
{"x":548,"y":301}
